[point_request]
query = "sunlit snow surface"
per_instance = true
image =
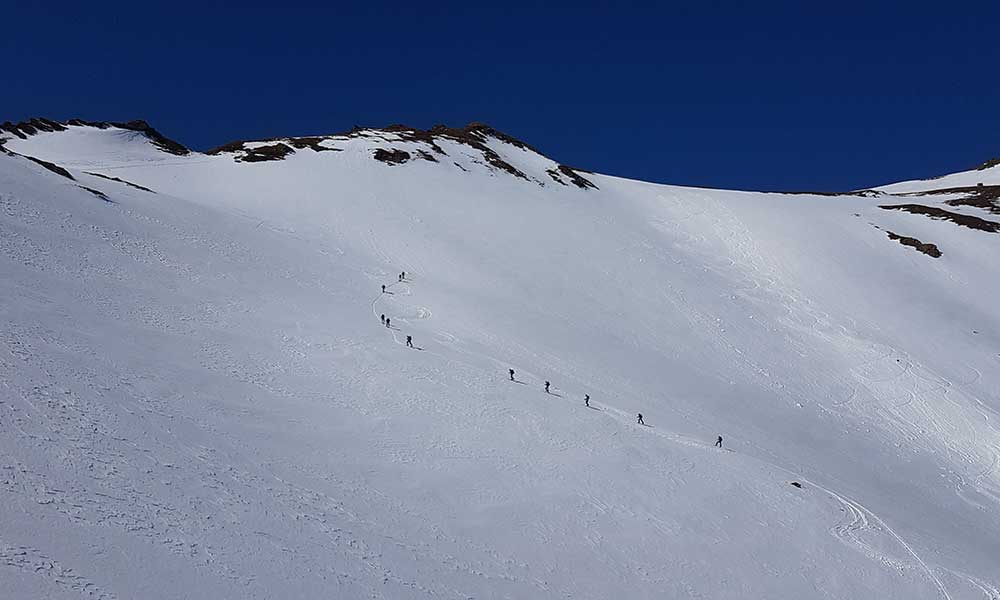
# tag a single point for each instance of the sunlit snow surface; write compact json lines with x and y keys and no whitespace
{"x":197,"y":398}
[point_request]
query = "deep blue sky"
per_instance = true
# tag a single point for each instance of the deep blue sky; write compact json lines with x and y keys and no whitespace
{"x":805,"y":95}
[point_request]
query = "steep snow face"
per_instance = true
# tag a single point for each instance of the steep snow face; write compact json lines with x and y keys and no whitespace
{"x":199,"y":398}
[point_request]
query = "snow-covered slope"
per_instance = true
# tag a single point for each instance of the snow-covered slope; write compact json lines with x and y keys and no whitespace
{"x":987,"y":174}
{"x":198,"y":399}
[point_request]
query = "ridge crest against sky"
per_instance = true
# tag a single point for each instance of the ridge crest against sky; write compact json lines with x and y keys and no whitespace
{"x":720,"y":94}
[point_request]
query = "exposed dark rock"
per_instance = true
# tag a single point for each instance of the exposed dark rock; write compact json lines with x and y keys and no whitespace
{"x":97,"y":193}
{"x":162,"y":142}
{"x":281,"y":148}
{"x":928,"y":249}
{"x":313,"y":143}
{"x":50,"y":166}
{"x":574,"y":177}
{"x":796,"y":484}
{"x":474,"y":135}
{"x":986,"y":197}
{"x":12,"y":128}
{"x":230,"y":147}
{"x":82,"y":123}
{"x":939,"y":213}
{"x":409,"y":134}
{"x":580,"y":181}
{"x":391,"y":157}
{"x":494,"y":159}
{"x":31,"y":127}
{"x":482,"y":131}
{"x":277,"y":151}
{"x":128,"y":183}
{"x":48,"y":125}
{"x":264,"y":153}
{"x":993,"y":162}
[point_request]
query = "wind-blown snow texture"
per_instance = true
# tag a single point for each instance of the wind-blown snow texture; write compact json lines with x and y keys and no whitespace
{"x":197,"y":398}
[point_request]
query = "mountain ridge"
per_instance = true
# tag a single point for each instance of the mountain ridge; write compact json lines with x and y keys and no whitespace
{"x":472,"y":134}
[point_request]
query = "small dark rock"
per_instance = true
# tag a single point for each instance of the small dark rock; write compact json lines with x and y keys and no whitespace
{"x":97,"y":193}
{"x":391,"y":157}
{"x":128,"y":183}
{"x":265,"y":153}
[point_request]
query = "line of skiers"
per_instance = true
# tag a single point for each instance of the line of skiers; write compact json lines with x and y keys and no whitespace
{"x":586,"y":402}
{"x":586,"y":397}
{"x":402,"y":277}
{"x":388,"y":321}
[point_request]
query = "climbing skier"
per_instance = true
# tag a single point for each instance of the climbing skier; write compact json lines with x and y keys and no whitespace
{"x":546,"y":387}
{"x":639,"y":421}
{"x":388,"y":322}
{"x":402,"y":276}
{"x":383,"y":318}
{"x":718,"y":442}
{"x":409,"y":341}
{"x":511,"y":371}
{"x":586,"y":400}
{"x":383,"y":288}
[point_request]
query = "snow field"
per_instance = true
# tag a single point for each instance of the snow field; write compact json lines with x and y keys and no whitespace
{"x":198,"y":399}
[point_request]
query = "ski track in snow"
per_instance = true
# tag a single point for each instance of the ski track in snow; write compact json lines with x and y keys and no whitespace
{"x":859,"y":518}
{"x":33,"y":562}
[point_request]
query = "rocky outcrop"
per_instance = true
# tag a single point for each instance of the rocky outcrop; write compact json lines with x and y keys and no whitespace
{"x":277,"y":151}
{"x":392,"y":156}
{"x":50,"y":166}
{"x":243,"y":151}
{"x":928,"y":249}
{"x":993,"y":162}
{"x":31,"y":127}
{"x":986,"y":197}
{"x":474,"y":135}
{"x":947,"y":215}
{"x":572,"y":175}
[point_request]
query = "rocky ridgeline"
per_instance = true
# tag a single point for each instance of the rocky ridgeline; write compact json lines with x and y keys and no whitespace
{"x":474,"y":135}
